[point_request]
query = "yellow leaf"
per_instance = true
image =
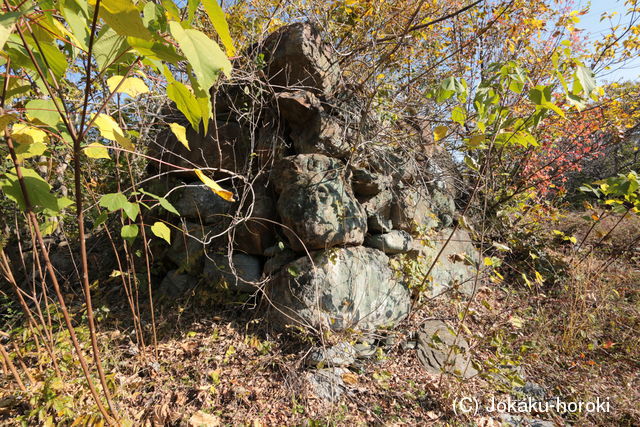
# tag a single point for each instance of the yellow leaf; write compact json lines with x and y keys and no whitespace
{"x":96,"y":150}
{"x":440,"y":132}
{"x":161,"y":230}
{"x":5,"y":120}
{"x":132,"y":86}
{"x":181,"y":133}
{"x":516,"y":321}
{"x":476,"y":140}
{"x":25,"y":134}
{"x":215,"y":187}
{"x":26,"y":151}
{"x":110,"y":130}
{"x":350,"y":378}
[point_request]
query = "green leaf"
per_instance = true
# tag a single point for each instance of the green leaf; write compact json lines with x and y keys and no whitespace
{"x":7,"y":22}
{"x":204,"y":55}
{"x":162,"y":231}
{"x":6,"y":120}
{"x":523,"y":138}
{"x":458,"y":115}
{"x":584,"y":81}
{"x":186,"y":102}
{"x":102,"y":218}
{"x":77,"y":16}
{"x":171,"y":10}
{"x":48,"y":227}
{"x":116,"y":201}
{"x":168,"y":206}
{"x":108,"y":46}
{"x":471,"y":163}
{"x":540,"y":95}
{"x":43,"y":110}
{"x":155,"y":50}
{"x":39,"y":192}
{"x":26,"y":151}
{"x":53,"y":60}
{"x":124,"y":17}
{"x":163,"y":202}
{"x":216,"y":15}
{"x":154,"y":14}
{"x":129,"y":232}
{"x":192,"y":6}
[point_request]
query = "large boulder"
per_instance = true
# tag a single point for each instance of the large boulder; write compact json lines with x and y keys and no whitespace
{"x":378,"y":211}
{"x":393,"y":242}
{"x":346,"y":288}
{"x":456,"y":267}
{"x":176,"y":284}
{"x":316,"y":203}
{"x":197,"y":203}
{"x":312,"y":130}
{"x":256,"y":232}
{"x":366,"y":183}
{"x":401,"y":166}
{"x":188,"y":247}
{"x":226,"y":145}
{"x":441,"y":350}
{"x":411,"y":210}
{"x":241,"y":274}
{"x":297,"y":56}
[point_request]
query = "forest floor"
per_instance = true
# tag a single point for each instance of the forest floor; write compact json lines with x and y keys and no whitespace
{"x":219,"y":363}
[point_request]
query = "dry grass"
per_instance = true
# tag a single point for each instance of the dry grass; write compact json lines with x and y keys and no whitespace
{"x":577,"y":339}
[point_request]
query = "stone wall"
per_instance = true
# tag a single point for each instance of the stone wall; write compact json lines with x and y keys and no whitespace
{"x":326,"y":200}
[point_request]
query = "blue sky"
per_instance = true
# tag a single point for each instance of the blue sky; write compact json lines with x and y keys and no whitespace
{"x":595,"y":29}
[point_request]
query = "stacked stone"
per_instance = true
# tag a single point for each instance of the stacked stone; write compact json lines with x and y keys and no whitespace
{"x":339,"y":223}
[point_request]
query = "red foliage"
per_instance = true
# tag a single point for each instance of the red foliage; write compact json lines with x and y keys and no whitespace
{"x":566,"y":145}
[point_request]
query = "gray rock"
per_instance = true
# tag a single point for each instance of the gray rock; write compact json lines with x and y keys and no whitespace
{"x":457,"y":265}
{"x":257,"y":232}
{"x":403,"y":168}
{"x":226,"y":145}
{"x":298,"y":107}
{"x":367,"y":183}
{"x":219,"y":271}
{"x":198,"y":203}
{"x":378,"y":211}
{"x":278,"y":260}
{"x":342,"y":354}
{"x":176,"y":284}
{"x":341,"y":288}
{"x":521,"y":421}
{"x":411,"y":210}
{"x":323,"y":135}
{"x":316,"y":204}
{"x":365,"y":350}
{"x":187,"y":248}
{"x":443,"y":205}
{"x":443,"y":172}
{"x":297,"y":56}
{"x":439,"y":350}
{"x":313,"y":131}
{"x":327,"y":384}
{"x":306,"y":170}
{"x":393,"y":242}
{"x":531,"y":389}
